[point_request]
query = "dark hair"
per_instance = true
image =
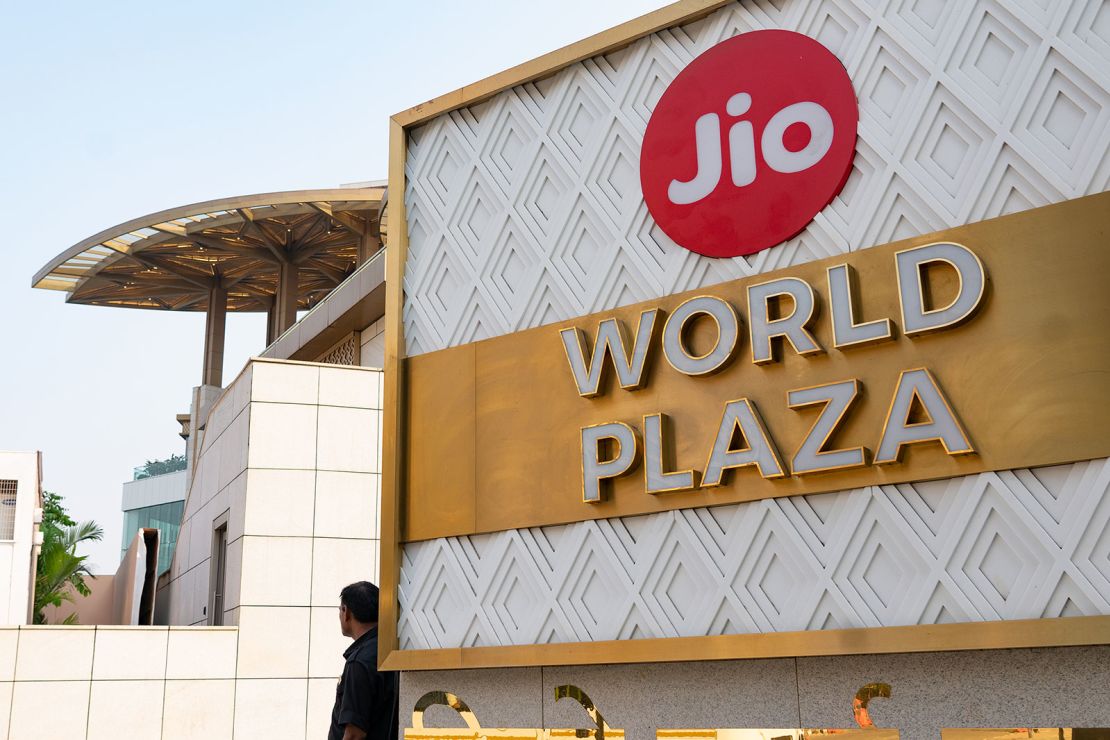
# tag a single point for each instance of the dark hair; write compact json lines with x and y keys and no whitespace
{"x":361,"y":600}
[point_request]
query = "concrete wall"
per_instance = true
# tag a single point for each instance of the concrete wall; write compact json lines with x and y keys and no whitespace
{"x":16,"y":555}
{"x":99,"y":607}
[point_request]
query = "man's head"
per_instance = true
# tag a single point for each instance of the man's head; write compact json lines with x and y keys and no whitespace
{"x":358,"y":608}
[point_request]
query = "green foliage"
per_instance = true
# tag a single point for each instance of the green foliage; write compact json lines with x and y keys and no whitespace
{"x":151,"y":468}
{"x":61,"y":571}
{"x":54,"y":516}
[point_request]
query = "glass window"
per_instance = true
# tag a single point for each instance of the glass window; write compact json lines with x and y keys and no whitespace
{"x":9,"y":490}
{"x":166,"y":518}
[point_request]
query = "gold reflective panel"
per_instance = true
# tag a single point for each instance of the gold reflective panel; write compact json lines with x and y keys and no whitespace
{"x":1025,"y":733}
{"x":865,"y":731}
{"x":474,"y":731}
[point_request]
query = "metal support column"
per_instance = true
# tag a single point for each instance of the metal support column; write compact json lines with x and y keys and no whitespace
{"x":368,"y":246}
{"x":271,"y":322}
{"x":214,"y":336}
{"x":285,"y":302}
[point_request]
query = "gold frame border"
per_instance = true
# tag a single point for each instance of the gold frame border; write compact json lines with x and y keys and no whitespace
{"x":1058,"y":632}
{"x":1026,"y":633}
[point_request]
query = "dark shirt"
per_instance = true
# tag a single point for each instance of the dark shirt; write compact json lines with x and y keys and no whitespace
{"x":365,"y":697}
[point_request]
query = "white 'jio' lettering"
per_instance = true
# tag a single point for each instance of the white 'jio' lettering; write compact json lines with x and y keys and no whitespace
{"x":741,"y":147}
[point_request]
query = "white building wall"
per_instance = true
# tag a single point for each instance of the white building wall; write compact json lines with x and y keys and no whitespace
{"x":16,"y":554}
{"x":291,"y":457}
{"x":160,"y":489}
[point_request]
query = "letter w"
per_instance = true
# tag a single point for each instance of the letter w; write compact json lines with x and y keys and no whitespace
{"x":610,"y":340}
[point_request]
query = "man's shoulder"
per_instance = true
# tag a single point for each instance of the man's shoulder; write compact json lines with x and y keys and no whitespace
{"x":366,"y":652}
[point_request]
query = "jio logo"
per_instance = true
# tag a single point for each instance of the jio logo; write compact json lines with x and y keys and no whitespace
{"x":749,"y":142}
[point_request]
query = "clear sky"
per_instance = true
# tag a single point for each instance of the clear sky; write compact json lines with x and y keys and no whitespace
{"x":109,"y":111}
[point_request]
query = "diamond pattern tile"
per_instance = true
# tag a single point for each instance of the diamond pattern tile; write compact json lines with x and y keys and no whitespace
{"x":1026,"y":544}
{"x":967,"y":111}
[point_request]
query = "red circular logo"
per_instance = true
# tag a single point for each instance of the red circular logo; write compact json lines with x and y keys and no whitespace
{"x":749,"y":142}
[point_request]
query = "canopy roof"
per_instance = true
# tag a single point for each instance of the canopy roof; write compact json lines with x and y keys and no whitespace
{"x":170,"y":260}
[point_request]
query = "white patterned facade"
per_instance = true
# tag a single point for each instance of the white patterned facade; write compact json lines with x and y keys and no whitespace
{"x":1014,"y":545}
{"x":526,"y":209}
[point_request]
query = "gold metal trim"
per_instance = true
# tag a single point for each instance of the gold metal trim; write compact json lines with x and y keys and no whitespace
{"x":393,"y":426}
{"x":1058,"y":632}
{"x":684,"y":11}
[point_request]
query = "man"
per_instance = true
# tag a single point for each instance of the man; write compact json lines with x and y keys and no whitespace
{"x":366,"y":699}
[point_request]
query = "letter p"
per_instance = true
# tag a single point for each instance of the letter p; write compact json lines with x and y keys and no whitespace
{"x":600,"y":462}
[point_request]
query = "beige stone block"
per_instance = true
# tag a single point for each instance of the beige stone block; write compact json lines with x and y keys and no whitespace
{"x":233,"y":451}
{"x":65,"y":703}
{"x":237,"y":506}
{"x":285,"y":383}
{"x":276,"y":571}
{"x":198,"y":710}
{"x":350,"y":387}
{"x":9,"y":637}
{"x":282,"y":435}
{"x":373,"y":352}
{"x":321,"y":699}
{"x":279,"y":503}
{"x":273,"y":709}
{"x":201,"y":652}
{"x":55,"y":653}
{"x":233,"y":464}
{"x":5,"y":706}
{"x":346,"y":504}
{"x":130,"y":653}
{"x":326,"y":644}
{"x":199,"y":537}
{"x":347,"y":440}
{"x":125,"y":708}
{"x":273,"y":641}
{"x":220,"y":415}
{"x":241,"y":387}
{"x":336,"y":563}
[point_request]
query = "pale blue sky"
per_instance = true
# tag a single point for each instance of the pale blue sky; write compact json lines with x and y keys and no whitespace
{"x":112,"y":110}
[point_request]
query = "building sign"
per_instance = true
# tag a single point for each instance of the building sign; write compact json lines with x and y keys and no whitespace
{"x":916,"y":360}
{"x":749,"y":142}
{"x":635,"y":277}
{"x":919,"y":411}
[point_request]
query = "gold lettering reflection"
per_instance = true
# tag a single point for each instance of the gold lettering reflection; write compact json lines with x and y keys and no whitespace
{"x":866,"y":730}
{"x":862,"y":698}
{"x":474,"y":730}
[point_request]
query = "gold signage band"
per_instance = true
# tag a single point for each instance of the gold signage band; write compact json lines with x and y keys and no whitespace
{"x":499,"y":431}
